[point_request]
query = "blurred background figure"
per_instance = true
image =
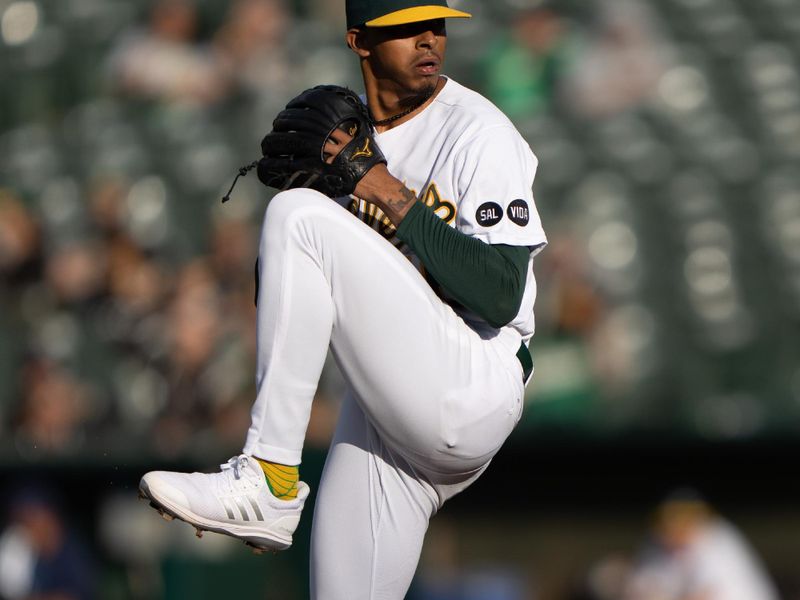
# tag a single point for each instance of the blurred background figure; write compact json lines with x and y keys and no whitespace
{"x":19,"y":238}
{"x":163,"y":62}
{"x":620,"y":62}
{"x":53,"y":415}
{"x":605,"y":579}
{"x":696,"y":554}
{"x":524,"y":65}
{"x":443,"y":574}
{"x":41,"y":556}
{"x":251,"y":46}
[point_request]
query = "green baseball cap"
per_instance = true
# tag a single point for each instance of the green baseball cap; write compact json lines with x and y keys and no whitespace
{"x":385,"y":13}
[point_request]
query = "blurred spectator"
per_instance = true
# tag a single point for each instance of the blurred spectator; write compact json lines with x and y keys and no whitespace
{"x":136,"y":282}
{"x":41,"y":557}
{"x":570,"y":304}
{"x":54,"y":407}
{"x":76,"y":270}
{"x":251,"y":46}
{"x":194,"y":318}
{"x":523,"y":68}
{"x":327,"y":13}
{"x":233,"y":248}
{"x":604,"y":580}
{"x":193,"y":322}
{"x":164,"y":63}
{"x":620,"y":63}
{"x":19,"y":238}
{"x":696,"y":554}
{"x":106,"y":198}
{"x":443,"y":574}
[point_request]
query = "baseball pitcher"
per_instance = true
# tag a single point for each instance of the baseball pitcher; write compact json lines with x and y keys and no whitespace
{"x":403,"y":240}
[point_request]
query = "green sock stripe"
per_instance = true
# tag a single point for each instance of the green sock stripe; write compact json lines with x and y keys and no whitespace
{"x":288,"y":480}
{"x":284,"y":468}
{"x":279,"y":492}
{"x":281,"y":486}
{"x":281,"y":477}
{"x":272,"y":490}
{"x":276,"y":467}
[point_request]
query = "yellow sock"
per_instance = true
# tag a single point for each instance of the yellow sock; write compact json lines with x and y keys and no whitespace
{"x":281,"y":479}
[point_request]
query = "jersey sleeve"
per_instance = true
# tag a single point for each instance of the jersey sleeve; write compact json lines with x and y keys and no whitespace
{"x":495,"y":196}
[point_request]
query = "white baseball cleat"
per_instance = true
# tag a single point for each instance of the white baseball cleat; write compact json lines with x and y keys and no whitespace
{"x":235,"y":502}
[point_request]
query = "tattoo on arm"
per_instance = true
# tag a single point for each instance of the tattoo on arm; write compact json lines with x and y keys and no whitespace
{"x":398,"y":205}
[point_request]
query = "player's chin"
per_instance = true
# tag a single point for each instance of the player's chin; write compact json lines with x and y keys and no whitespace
{"x":424,"y":84}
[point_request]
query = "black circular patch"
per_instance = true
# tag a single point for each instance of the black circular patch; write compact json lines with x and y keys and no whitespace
{"x":489,"y":214}
{"x":519,"y":213}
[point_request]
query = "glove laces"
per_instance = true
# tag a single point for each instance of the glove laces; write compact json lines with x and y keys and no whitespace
{"x":242,"y":172}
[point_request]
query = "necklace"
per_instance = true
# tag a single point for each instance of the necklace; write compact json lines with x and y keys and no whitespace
{"x":407,"y":112}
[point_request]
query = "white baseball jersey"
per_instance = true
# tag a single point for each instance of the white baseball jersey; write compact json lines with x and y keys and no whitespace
{"x":466,"y":160}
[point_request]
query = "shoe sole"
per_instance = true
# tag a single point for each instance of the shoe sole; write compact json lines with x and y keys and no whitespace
{"x":258,"y":540}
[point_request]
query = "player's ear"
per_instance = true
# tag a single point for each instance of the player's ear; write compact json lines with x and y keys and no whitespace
{"x":356,"y":40}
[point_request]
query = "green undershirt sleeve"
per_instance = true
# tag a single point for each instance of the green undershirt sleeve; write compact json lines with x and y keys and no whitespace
{"x":487,"y":279}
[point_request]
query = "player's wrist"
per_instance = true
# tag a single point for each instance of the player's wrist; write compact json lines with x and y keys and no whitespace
{"x":381,"y":188}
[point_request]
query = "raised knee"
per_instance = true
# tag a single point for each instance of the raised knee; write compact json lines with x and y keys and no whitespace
{"x":291,"y":204}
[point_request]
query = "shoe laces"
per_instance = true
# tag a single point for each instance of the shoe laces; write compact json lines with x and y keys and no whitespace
{"x":236,"y":464}
{"x":235,"y":468}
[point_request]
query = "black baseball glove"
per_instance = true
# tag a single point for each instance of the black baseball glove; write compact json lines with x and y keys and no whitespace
{"x":293,"y":152}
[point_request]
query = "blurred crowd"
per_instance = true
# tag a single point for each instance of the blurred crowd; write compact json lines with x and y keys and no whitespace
{"x":117,"y":326}
{"x":164,"y":60}
{"x":113,"y":336}
{"x":128,"y":290}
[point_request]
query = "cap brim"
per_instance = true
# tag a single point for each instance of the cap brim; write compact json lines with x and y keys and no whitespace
{"x":417,"y":14}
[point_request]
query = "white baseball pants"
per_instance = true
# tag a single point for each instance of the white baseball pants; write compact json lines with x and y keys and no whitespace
{"x":432,"y":399}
